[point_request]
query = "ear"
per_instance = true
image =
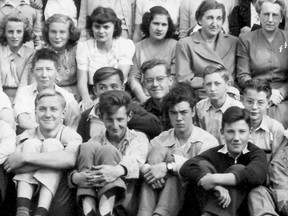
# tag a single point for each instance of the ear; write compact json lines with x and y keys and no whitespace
{"x":63,"y":113}
{"x":94,"y":89}
{"x":193,"y":112}
{"x":130,"y":115}
{"x":221,"y":131}
{"x":171,"y":80}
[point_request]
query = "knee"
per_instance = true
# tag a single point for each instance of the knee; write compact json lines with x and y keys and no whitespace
{"x":206,"y":166}
{"x":257,"y":192}
{"x":31,"y":145}
{"x":108,"y":155}
{"x":89,"y":148}
{"x":51,"y":144}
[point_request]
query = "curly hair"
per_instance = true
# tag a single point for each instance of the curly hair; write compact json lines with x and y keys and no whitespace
{"x":16,"y":17}
{"x":149,"y":16}
{"x":103,"y":15}
{"x":179,"y":93}
{"x":209,"y":5}
{"x":45,"y":54}
{"x":59,"y":18}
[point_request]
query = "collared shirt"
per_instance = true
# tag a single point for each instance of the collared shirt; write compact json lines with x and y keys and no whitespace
{"x":7,"y":141}
{"x":224,"y":150}
{"x":198,"y":142}
{"x":25,"y":98}
{"x":209,"y":118}
{"x":269,"y":135}
{"x":97,"y":127}
{"x":69,"y":138}
{"x":33,"y":15}
{"x":22,"y":60}
{"x":134,"y":148}
{"x":151,"y":107}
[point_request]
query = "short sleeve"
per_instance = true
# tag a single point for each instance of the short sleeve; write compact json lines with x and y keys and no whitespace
{"x":70,"y":139}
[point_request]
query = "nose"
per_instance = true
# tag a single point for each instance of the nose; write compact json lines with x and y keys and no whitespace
{"x":254,"y":106}
{"x":14,"y":34}
{"x":57,"y":35}
{"x":44,"y":73}
{"x":179,"y":117}
{"x":213,"y":87}
{"x":47,"y":113}
{"x":101,"y":29}
{"x":236,"y":137}
{"x":270,"y":18}
{"x":115,"y":124}
{"x":155,"y":83}
{"x":159,"y":27}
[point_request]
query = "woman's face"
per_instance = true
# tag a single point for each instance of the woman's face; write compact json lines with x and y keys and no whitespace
{"x":14,"y":33}
{"x":103,"y":32}
{"x":212,"y":22}
{"x":158,"y":27}
{"x":270,"y":16}
{"x":58,"y":35}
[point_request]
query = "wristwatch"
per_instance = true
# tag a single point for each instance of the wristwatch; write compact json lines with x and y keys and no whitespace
{"x":169,"y":167}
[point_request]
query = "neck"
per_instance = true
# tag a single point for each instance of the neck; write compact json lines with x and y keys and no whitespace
{"x":269,"y":35}
{"x":40,"y":88}
{"x":14,"y":49}
{"x":158,"y":102}
{"x":115,"y":140}
{"x":218,"y":103}
{"x":155,"y":42}
{"x":50,"y":134}
{"x":256,"y":123}
{"x":209,"y":40}
{"x":183,"y":136}
{"x":104,"y":46}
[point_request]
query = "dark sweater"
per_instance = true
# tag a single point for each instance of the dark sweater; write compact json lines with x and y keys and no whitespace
{"x":141,"y":120}
{"x":254,"y":173}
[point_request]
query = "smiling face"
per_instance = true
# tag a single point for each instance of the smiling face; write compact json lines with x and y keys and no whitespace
{"x":103,"y":32}
{"x":180,"y":116}
{"x":45,"y":73}
{"x":236,"y":136}
{"x":211,"y":22}
{"x":58,"y":35}
{"x":158,"y":27}
{"x":256,"y":102}
{"x":116,"y":124}
{"x":270,"y":16}
{"x":49,"y":113}
{"x":14,"y":33}
{"x":157,"y":82}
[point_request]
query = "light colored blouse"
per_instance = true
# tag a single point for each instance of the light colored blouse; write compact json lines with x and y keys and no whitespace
{"x":90,"y":59}
{"x":15,"y":68}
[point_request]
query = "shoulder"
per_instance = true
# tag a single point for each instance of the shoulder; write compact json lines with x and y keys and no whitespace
{"x":68,"y":135}
{"x":202,"y":104}
{"x":161,"y":138}
{"x":67,"y":95}
{"x":249,"y":36}
{"x":123,"y":42}
{"x":204,"y":136}
{"x":273,"y":125}
{"x":133,"y":134}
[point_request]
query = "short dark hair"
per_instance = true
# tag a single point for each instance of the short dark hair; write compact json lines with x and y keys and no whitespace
{"x":234,"y":114}
{"x":106,"y":72}
{"x":45,"y":54}
{"x":209,"y":5}
{"x":149,"y":16}
{"x":60,"y":18}
{"x":152,"y":63}
{"x":103,"y":15}
{"x":258,"y":85}
{"x":16,"y":17}
{"x":50,"y":93}
{"x":210,"y":69}
{"x":111,"y":101}
{"x":179,"y":93}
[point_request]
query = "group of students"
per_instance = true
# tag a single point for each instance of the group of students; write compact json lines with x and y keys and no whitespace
{"x":105,"y":127}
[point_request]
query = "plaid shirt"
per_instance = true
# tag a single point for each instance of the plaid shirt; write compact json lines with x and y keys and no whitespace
{"x":151,"y":107}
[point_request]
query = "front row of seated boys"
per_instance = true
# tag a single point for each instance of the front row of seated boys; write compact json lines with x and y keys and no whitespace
{"x":119,"y":172}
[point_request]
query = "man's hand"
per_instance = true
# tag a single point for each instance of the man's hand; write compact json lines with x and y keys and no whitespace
{"x":158,"y":183}
{"x":106,"y":173}
{"x":86,"y":179}
{"x":14,"y":161}
{"x":207,"y":182}
{"x":223,"y":196}
{"x":276,"y":97}
{"x":155,"y":172}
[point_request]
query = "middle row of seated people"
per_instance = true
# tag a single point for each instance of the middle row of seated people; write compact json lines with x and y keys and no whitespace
{"x":268,"y":134}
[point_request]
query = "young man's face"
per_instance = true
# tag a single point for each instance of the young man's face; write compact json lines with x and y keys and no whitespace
{"x":111,"y":83}
{"x":256,"y":103}
{"x":157,"y":82}
{"x":236,"y":136}
{"x":116,"y":124}
{"x":49,"y":113}
{"x":216,"y":87}
{"x":180,"y":116}
{"x":45,"y":73}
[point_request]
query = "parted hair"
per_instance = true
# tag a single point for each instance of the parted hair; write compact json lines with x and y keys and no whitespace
{"x":149,"y":16}
{"x":103,"y":15}
{"x":209,"y":5}
{"x":60,"y":18}
{"x":16,"y":17}
{"x":111,"y":101}
{"x":106,"y":72}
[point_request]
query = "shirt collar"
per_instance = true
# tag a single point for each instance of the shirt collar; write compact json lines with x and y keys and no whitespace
{"x":35,"y":90}
{"x":41,"y":136}
{"x":264,"y":124}
{"x":94,"y":113}
{"x":224,"y":150}
{"x":7,"y":52}
{"x":223,"y":108}
{"x":127,"y":137}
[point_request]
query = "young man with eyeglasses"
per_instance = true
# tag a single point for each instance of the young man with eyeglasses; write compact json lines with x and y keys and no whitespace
{"x":157,"y":81}
{"x":267,"y":134}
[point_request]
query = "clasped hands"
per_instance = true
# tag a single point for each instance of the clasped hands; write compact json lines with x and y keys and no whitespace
{"x":154,"y":175}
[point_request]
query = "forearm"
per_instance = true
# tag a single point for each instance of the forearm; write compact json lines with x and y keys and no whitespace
{"x":82,"y":85}
{"x":225,"y":179}
{"x":137,"y":89}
